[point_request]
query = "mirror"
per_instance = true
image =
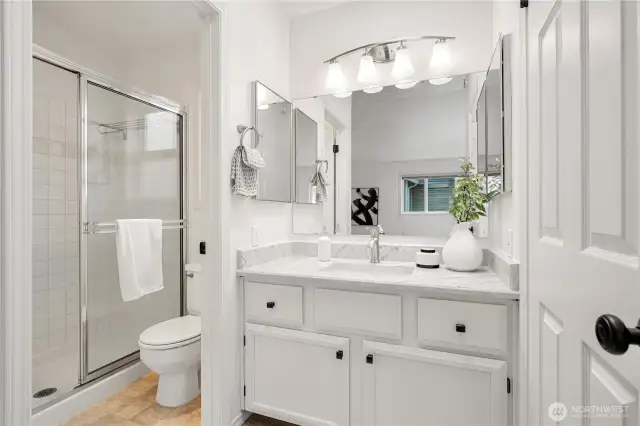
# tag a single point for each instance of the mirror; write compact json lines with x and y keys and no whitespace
{"x":272,"y":119}
{"x":306,"y":148}
{"x":494,"y":120}
{"x":399,"y":153}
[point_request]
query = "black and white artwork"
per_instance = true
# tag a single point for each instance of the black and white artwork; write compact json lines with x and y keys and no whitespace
{"x":364,"y":206}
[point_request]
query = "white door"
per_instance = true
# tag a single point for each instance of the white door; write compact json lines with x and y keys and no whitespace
{"x":583,"y":211}
{"x":296,"y":376}
{"x":406,"y":386}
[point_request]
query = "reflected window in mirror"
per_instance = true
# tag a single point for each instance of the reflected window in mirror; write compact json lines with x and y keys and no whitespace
{"x":427,"y":194}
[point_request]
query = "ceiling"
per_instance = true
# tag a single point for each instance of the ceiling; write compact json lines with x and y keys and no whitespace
{"x":304,"y":7}
{"x":116,"y":25}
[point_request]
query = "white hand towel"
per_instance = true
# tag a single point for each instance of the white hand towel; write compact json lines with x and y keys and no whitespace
{"x":139,"y":247}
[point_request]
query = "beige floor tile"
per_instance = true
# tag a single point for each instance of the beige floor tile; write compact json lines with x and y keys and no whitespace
{"x":130,"y":411}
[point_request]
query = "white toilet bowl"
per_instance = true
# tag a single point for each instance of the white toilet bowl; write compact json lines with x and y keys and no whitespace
{"x":172,"y":349}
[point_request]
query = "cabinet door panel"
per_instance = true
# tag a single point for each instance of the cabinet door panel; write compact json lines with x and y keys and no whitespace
{"x":296,"y":376}
{"x":408,"y":386}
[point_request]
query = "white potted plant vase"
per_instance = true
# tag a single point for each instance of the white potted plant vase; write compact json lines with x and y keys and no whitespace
{"x":462,"y":252}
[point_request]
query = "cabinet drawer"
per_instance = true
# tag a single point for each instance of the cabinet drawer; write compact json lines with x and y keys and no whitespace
{"x":462,"y":325}
{"x":273,"y":304}
{"x":363,"y":313}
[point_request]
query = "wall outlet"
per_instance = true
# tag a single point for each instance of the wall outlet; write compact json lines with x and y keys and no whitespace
{"x":255,"y":236}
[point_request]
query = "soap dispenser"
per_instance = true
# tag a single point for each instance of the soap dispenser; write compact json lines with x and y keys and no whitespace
{"x":324,"y":246}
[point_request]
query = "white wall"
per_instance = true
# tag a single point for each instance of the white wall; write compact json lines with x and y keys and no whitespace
{"x":255,"y":39}
{"x":318,"y":36}
{"x":395,"y":133}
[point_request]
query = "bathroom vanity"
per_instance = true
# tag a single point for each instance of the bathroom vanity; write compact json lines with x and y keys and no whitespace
{"x":348,"y":342}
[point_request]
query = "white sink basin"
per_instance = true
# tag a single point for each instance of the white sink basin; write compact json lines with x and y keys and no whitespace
{"x":369,"y":269}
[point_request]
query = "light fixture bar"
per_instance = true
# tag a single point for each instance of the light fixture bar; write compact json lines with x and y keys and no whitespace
{"x":366,"y":47}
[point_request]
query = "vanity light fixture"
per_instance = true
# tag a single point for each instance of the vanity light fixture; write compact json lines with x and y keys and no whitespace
{"x":395,"y":51}
{"x":440,"y":58}
{"x":335,"y":77}
{"x":373,"y":89}
{"x":343,"y":94}
{"x":406,"y":85}
{"x":367,"y":73}
{"x":402,"y":66}
{"x":440,"y":81}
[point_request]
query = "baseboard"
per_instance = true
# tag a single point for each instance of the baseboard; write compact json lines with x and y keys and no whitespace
{"x":242,"y":417}
{"x":85,"y":397}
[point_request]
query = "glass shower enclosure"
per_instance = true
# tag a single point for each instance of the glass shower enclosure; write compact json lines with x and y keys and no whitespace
{"x":101,"y":153}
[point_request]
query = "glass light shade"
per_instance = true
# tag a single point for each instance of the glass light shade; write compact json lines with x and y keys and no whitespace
{"x":335,"y":77}
{"x":440,"y":58}
{"x":342,"y":95}
{"x":402,"y":66}
{"x":367,"y":72}
{"x":406,"y":85}
{"x":373,"y":89}
{"x":440,"y":81}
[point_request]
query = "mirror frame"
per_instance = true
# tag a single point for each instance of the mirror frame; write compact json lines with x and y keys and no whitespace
{"x":254,"y":120}
{"x":294,"y":115}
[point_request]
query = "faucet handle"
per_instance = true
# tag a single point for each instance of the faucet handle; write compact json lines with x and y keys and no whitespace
{"x":375,"y":231}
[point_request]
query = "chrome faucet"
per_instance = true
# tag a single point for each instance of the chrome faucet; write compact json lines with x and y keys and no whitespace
{"x":374,"y":243}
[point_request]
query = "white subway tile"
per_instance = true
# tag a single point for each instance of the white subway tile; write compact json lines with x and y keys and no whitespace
{"x":57,"y":163}
{"x":40,"y":161}
{"x":73,"y":277}
{"x":72,"y":292}
{"x":72,"y":177}
{"x":40,"y":146}
{"x":56,"y":250}
{"x":40,"y":253}
{"x":40,"y":299}
{"x":72,"y":207}
{"x":57,"y":236}
{"x":40,"y":283}
{"x":40,"y":328}
{"x":40,"y":192}
{"x":40,"y":109}
{"x":56,"y":207}
{"x":40,"y":238}
{"x":39,"y":269}
{"x":71,"y":221}
{"x":57,"y":112}
{"x":42,"y":313}
{"x":57,"y":339}
{"x":40,"y":344}
{"x":57,"y":279}
{"x":57,"y":306}
{"x":40,"y":207}
{"x":40,"y":177}
{"x":71,"y":264}
{"x":57,"y":222}
{"x":56,"y":192}
{"x":41,"y":129}
{"x":71,"y":250}
{"x":56,"y":149}
{"x":56,"y":177}
{"x":73,"y":320}
{"x":40,"y":222}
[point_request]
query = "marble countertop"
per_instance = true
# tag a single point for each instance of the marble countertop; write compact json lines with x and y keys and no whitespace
{"x":356,"y":273}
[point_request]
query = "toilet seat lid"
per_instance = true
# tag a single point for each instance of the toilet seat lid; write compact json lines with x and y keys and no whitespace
{"x":173,"y":331}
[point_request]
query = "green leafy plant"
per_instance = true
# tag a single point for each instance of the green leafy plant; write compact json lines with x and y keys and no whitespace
{"x":469,"y":198}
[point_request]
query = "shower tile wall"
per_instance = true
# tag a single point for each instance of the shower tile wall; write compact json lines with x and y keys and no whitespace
{"x":55,"y":213}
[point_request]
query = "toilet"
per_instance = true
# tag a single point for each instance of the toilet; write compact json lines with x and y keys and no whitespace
{"x":172,"y":349}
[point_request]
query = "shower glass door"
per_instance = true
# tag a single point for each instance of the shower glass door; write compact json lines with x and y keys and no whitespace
{"x":133,"y":169}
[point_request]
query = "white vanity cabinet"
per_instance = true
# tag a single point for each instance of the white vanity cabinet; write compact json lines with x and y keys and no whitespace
{"x":317,"y":354}
{"x":406,"y":386}
{"x":297,"y":376}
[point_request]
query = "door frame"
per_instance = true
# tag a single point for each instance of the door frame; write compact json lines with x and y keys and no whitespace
{"x":16,"y":55}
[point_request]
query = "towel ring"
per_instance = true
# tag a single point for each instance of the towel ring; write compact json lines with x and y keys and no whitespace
{"x":319,"y":165}
{"x":243,"y":130}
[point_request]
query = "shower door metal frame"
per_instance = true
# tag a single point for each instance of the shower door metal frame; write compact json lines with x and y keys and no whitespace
{"x":88,"y":76}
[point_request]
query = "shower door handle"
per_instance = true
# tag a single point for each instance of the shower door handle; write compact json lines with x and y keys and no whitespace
{"x":190,"y":274}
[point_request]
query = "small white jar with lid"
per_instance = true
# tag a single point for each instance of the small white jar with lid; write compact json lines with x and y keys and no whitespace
{"x":428,"y":258}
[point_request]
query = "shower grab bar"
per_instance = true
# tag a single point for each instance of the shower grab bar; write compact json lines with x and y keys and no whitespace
{"x":110,"y":227}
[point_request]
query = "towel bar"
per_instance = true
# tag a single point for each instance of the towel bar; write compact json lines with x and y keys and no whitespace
{"x":110,"y":227}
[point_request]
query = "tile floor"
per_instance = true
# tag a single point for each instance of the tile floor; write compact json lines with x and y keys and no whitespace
{"x":136,"y":406}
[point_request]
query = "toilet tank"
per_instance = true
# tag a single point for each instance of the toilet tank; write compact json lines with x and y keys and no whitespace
{"x":193,"y":289}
